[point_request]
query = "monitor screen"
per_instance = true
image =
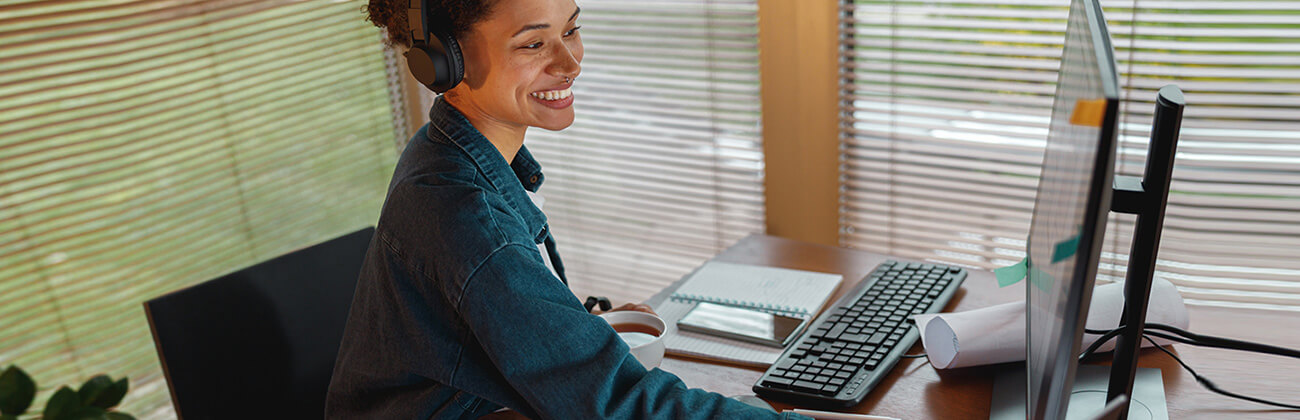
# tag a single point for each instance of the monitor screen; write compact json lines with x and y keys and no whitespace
{"x":1069,"y":216}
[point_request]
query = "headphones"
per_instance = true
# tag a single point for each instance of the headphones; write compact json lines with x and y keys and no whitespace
{"x":434,"y":57}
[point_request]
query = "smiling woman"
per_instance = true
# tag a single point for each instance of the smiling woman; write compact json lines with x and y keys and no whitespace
{"x":462,"y":306}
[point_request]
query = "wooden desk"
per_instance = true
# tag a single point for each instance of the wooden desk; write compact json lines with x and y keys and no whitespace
{"x":915,"y":390}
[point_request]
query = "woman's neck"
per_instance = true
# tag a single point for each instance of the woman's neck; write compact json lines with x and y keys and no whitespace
{"x":507,"y":137}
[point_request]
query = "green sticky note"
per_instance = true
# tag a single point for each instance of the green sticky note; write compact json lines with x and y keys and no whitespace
{"x":1011,"y":274}
{"x":1041,"y":279}
{"x":1065,"y":249}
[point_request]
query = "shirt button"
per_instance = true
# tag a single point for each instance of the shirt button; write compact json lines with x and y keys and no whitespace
{"x":532,"y":179}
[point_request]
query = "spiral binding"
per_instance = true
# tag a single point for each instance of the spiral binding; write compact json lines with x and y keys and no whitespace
{"x":789,"y":311}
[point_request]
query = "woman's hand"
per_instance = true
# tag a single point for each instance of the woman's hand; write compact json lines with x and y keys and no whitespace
{"x":634,"y":307}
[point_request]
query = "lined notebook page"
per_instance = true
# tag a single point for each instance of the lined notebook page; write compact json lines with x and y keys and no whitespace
{"x":778,"y":289}
{"x":794,"y":291}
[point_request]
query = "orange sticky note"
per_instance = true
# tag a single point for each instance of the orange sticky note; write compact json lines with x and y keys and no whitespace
{"x":1089,"y":112}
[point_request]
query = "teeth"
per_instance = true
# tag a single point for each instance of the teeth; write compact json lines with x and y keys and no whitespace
{"x":553,"y":95}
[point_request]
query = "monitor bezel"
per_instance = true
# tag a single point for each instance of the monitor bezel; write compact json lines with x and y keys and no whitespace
{"x":1063,"y":361}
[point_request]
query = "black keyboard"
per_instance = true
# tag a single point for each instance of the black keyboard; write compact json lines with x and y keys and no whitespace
{"x":855,"y":343}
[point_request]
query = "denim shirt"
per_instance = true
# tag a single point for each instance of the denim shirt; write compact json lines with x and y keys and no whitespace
{"x":456,"y":315}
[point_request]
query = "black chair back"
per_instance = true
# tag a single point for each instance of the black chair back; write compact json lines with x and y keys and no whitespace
{"x":259,"y":342}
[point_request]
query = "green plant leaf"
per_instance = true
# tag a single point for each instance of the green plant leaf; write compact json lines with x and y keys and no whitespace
{"x":63,"y":405}
{"x":89,"y":413}
{"x":114,"y":415}
{"x":8,"y":417}
{"x":112,"y":395}
{"x":102,"y":392}
{"x":93,"y":388}
{"x":17,"y":390}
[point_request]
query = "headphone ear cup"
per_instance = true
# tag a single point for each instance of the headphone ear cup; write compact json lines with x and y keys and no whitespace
{"x":422,"y":66}
{"x":455,"y":61}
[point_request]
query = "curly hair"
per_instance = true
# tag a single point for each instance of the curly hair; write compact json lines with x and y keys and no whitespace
{"x":460,"y":15}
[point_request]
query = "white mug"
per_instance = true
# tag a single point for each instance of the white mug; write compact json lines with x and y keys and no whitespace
{"x":651,"y":352}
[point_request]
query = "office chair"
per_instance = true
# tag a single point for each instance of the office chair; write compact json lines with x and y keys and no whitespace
{"x":259,"y":342}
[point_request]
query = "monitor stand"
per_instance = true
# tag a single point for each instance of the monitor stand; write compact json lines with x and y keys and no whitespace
{"x":1088,"y":397}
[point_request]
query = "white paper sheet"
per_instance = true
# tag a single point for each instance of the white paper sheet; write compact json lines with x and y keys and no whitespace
{"x":996,"y":334}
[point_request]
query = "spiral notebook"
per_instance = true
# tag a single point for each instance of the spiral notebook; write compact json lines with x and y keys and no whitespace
{"x":795,"y":293}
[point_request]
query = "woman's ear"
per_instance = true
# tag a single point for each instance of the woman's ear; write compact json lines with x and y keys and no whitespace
{"x":477,"y":61}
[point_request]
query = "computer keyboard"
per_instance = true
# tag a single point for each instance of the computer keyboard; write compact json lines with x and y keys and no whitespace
{"x":855,"y":343}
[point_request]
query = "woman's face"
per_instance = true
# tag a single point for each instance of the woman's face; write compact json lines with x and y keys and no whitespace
{"x":516,"y":62}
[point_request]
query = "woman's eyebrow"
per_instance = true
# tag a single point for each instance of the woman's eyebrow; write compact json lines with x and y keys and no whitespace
{"x":527,"y":28}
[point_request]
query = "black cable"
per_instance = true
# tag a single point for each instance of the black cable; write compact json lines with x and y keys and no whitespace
{"x":1201,"y":340}
{"x":913,"y":356}
{"x":1186,"y":337}
{"x":1215,"y":388}
{"x":1225,"y":343}
{"x":1105,"y":336}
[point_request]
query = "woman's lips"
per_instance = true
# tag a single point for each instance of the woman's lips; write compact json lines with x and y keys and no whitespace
{"x":554,"y":99}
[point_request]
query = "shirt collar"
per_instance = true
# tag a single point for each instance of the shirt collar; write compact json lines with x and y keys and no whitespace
{"x":511,"y":180}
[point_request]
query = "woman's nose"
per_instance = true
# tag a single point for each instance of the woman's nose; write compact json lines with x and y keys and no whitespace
{"x":566,"y":63}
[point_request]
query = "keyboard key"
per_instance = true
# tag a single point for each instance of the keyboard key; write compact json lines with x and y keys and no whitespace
{"x":856,"y":338}
{"x":836,"y":330}
{"x":806,"y":386}
{"x":777,"y":382}
{"x":877,"y":338}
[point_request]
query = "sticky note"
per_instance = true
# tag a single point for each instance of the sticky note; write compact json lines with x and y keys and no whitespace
{"x":1011,"y":274}
{"x":1089,"y":112}
{"x":1065,"y":249}
{"x":1041,"y":279}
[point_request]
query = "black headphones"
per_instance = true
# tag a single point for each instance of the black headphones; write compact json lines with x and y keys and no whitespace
{"x":434,"y":58}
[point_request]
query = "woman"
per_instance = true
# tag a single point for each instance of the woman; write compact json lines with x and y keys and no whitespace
{"x":461,"y":307}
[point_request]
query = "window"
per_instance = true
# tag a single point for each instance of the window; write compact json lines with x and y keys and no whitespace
{"x":945,"y":108}
{"x":663,"y":166}
{"x":147,"y":146}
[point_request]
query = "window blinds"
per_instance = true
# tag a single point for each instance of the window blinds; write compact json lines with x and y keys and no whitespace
{"x":663,"y":166}
{"x":945,"y":108}
{"x":147,"y":146}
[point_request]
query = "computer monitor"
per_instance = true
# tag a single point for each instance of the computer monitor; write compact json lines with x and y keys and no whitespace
{"x":1076,"y":192}
{"x":1074,"y":199}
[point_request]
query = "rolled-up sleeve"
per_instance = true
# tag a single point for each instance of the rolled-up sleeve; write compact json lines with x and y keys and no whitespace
{"x":565,"y":362}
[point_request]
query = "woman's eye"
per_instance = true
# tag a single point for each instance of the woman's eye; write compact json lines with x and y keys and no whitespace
{"x":572,"y":31}
{"x":533,"y":46}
